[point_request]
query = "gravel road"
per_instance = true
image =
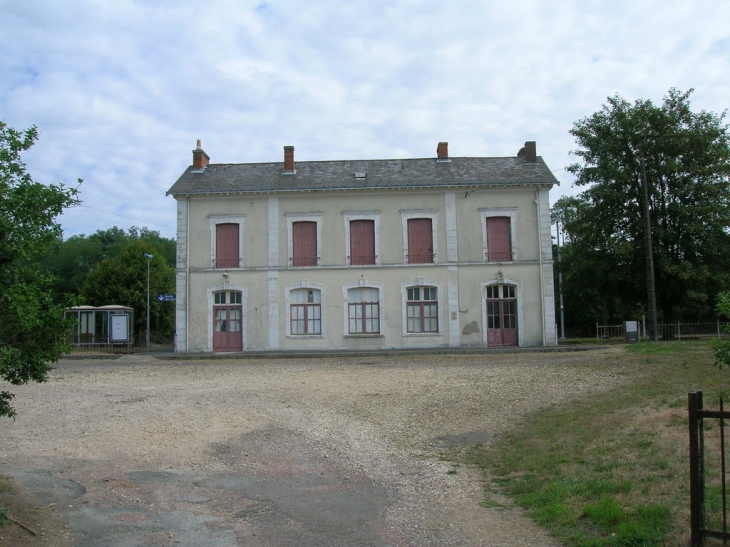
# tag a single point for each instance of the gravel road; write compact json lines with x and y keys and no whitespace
{"x":310,"y":452}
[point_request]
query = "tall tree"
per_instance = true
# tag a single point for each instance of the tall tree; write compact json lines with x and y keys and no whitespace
{"x":33,"y":331}
{"x":687,"y":157}
{"x":72,"y":260}
{"x":122,"y":280}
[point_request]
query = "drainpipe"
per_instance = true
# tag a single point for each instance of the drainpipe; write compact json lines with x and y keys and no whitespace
{"x":542,"y":277}
{"x":187,"y":274}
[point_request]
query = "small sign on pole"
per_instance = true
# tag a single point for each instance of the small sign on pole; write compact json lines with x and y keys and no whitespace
{"x":165,"y":297}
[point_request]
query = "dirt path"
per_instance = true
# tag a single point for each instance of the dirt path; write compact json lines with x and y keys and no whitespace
{"x":326,"y":452}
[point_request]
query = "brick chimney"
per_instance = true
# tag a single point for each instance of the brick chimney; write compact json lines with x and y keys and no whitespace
{"x":529,"y":152}
{"x":289,"y":160}
{"x":200,"y":158}
{"x":442,"y":151}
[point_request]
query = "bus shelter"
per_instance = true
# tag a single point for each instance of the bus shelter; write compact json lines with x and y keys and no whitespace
{"x":102,"y":325}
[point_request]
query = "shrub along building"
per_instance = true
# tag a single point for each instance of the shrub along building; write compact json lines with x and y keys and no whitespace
{"x":364,"y":254}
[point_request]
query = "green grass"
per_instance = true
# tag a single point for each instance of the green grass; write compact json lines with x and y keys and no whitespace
{"x":611,"y":470}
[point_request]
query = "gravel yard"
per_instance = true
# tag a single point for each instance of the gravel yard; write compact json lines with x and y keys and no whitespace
{"x":309,"y":452}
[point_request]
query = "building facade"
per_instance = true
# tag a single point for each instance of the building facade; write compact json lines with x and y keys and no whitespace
{"x":364,"y":254}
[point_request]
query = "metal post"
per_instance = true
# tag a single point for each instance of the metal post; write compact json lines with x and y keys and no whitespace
{"x":147,"y":344}
{"x":560,"y":284}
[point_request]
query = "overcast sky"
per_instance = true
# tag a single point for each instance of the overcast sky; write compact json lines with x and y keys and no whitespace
{"x":121,"y":89}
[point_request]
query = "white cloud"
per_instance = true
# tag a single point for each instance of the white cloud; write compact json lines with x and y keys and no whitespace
{"x":121,"y":90}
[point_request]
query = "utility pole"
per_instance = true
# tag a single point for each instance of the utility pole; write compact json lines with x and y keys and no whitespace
{"x":648,"y":252}
{"x":560,"y":283}
{"x":149,"y":259}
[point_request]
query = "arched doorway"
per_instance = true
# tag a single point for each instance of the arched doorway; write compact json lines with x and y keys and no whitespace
{"x":501,"y":315}
{"x":227,"y":321}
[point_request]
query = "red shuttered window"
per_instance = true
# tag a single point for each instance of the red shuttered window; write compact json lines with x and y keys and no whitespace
{"x":420,"y":241}
{"x":362,"y":242}
{"x":226,"y":246}
{"x":499,"y":239}
{"x":304,"y":243}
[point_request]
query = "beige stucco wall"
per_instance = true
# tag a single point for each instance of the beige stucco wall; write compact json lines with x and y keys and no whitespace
{"x":460,"y":272}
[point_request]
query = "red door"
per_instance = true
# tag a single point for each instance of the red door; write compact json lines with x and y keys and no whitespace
{"x":227,"y":331}
{"x":501,"y":316}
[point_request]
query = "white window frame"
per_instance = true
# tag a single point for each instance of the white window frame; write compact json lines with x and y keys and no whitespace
{"x":291,"y":218}
{"x":362,"y":283}
{"x":305,"y":284}
{"x":422,"y":282}
{"x":226,"y":219}
{"x":365,"y":215}
{"x":406,"y":215}
{"x":511,"y":213}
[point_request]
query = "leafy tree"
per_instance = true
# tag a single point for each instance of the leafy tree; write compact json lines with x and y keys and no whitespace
{"x":122,"y":280}
{"x":72,"y":260}
{"x":33,"y":331}
{"x":687,"y":157}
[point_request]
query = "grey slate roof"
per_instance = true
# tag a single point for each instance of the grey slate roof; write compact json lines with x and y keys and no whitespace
{"x":235,"y":178}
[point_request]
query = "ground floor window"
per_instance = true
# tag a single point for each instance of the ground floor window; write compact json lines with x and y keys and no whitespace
{"x":422,"y":310}
{"x":306,"y":311}
{"x":364,"y":310}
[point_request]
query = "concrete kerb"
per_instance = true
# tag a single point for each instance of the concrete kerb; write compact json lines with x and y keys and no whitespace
{"x":319,"y":354}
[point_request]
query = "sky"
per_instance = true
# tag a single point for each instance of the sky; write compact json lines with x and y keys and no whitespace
{"x":121,"y":90}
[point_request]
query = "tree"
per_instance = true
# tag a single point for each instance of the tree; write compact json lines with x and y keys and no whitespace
{"x":122,"y":280}
{"x":33,"y":331}
{"x":72,"y":260}
{"x":687,"y":158}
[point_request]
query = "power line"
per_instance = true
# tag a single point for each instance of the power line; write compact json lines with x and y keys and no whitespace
{"x":128,"y":218}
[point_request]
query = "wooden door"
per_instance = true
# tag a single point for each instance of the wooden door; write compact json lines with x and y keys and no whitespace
{"x":227,"y":328}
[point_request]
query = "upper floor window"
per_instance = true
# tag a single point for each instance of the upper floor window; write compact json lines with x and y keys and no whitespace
{"x":305,"y":239}
{"x":363,"y":310}
{"x":362,"y":234}
{"x":498,"y":232}
{"x":304,"y":235}
{"x":419,"y":236}
{"x":305,"y":311}
{"x":226,"y":246}
{"x":420,"y":241}
{"x":422,"y":310}
{"x":362,"y":242}
{"x":226,"y":241}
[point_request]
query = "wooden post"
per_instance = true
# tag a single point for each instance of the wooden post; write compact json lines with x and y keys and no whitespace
{"x":696,"y":476}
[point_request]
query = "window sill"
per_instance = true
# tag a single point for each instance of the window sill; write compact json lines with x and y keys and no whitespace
{"x":305,"y":336}
{"x":365,"y":335}
{"x":421,"y":334}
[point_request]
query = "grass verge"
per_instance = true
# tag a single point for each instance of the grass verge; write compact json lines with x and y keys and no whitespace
{"x":612,"y":470}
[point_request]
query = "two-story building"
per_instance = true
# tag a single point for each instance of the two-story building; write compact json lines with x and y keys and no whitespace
{"x":364,"y":254}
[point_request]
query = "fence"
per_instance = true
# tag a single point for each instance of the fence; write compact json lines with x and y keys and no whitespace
{"x":708,"y":487}
{"x":667,"y":331}
{"x":136,"y":344}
